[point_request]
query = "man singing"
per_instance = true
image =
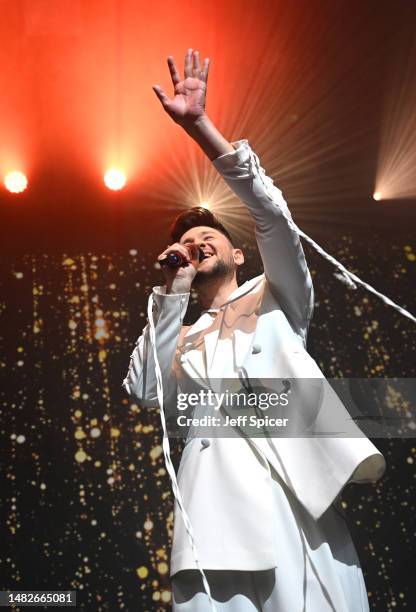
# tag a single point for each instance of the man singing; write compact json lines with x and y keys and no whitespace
{"x":267,"y":529}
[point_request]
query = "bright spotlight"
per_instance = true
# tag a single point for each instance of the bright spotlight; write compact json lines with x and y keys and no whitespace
{"x":377,"y":196}
{"x":115,"y":179}
{"x":204,"y":204}
{"x":15,"y":182}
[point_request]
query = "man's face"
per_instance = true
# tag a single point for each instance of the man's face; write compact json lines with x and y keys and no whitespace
{"x":221,"y":257}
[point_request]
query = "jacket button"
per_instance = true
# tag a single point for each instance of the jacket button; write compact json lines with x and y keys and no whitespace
{"x":205,"y":443}
{"x":256,"y":349}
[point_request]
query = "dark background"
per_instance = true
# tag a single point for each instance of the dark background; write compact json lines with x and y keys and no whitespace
{"x":76,"y":508}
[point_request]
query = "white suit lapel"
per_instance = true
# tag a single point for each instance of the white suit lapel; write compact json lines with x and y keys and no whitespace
{"x":211,"y":341}
{"x":218,"y":361}
{"x":204,"y":321}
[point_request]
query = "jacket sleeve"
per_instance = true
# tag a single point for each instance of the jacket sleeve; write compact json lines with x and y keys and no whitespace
{"x":168,"y":313}
{"x":282,"y":254}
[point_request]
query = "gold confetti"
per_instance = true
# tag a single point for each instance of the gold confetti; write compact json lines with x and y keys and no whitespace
{"x":142,"y":572}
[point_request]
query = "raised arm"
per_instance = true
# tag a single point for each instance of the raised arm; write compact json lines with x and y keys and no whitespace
{"x":283,"y":258}
{"x":280,"y":248}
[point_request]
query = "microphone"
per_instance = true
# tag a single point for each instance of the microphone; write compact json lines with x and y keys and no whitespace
{"x":176,"y":259}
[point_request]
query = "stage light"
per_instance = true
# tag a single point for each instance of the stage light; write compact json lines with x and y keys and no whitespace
{"x":115,"y":179}
{"x":377,"y":196}
{"x":205,"y":205}
{"x":15,"y":182}
{"x":397,"y":146}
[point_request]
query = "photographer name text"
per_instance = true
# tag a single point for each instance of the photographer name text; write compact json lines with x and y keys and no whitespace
{"x":239,"y":421}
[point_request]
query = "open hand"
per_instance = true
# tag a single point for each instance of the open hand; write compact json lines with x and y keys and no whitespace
{"x":188,"y":103}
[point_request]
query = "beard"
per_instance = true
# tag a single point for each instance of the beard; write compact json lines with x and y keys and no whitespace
{"x":220,"y":270}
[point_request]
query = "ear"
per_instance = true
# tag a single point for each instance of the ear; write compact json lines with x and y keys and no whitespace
{"x":238,"y":256}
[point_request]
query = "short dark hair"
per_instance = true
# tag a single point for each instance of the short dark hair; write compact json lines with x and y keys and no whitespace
{"x":198,"y":215}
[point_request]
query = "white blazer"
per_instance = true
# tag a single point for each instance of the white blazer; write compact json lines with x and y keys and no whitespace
{"x":260,"y":330}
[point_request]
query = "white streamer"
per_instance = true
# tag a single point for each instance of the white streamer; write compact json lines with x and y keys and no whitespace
{"x":345,"y":275}
{"x":166,"y":452}
{"x":345,"y":279}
